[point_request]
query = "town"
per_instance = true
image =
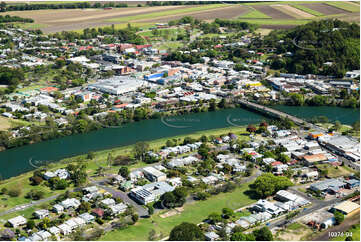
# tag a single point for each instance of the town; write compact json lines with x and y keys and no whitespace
{"x":287,"y":177}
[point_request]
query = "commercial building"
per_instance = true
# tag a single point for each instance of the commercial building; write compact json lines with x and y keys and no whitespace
{"x":348,"y":208}
{"x":117,"y":85}
{"x":150,"y":192}
{"x":329,"y":185}
{"x":154,"y":175}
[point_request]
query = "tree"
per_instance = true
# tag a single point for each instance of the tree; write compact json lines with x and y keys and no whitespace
{"x":214,"y":218}
{"x":14,"y":192}
{"x":356,"y":126}
{"x":91,"y":155}
{"x":135,"y":217}
{"x":337,"y":125}
{"x":227,"y":213}
{"x":251,"y":128}
{"x":30,"y":224}
{"x":124,"y":172}
{"x":263,"y":234}
{"x":169,"y":199}
{"x":268,"y":184}
{"x":239,"y":236}
{"x":150,"y":210}
{"x":140,"y":148}
{"x":186,"y":232}
{"x":339,"y":217}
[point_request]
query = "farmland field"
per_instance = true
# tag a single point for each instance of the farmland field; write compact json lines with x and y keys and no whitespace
{"x":270,"y":15}
{"x":273,"y":12}
{"x":324,"y":8}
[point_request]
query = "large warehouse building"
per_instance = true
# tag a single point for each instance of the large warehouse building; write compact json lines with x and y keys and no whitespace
{"x":117,"y":85}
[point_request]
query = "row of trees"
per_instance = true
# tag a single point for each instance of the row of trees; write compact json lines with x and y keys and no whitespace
{"x":38,"y":6}
{"x":191,"y":232}
{"x":9,"y":19}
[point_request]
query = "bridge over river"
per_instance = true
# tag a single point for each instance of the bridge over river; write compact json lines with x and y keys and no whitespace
{"x":272,"y":112}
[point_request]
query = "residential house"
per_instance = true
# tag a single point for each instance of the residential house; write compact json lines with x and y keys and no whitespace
{"x":40,"y":214}
{"x":17,"y":221}
{"x":118,"y":208}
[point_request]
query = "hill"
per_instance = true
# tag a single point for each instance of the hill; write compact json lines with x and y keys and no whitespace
{"x":314,"y":44}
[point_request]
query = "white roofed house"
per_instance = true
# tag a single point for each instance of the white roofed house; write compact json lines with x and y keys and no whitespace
{"x":175,"y":181}
{"x":88,"y":218}
{"x":65,"y":229}
{"x":266,"y":206}
{"x":62,"y":173}
{"x":79,"y":221}
{"x":70,"y":203}
{"x":54,"y":230}
{"x":135,"y":175}
{"x":48,"y":175}
{"x":17,"y":221}
{"x":91,"y":189}
{"x":58,"y":208}
{"x":108,"y":202}
{"x":71,"y":223}
{"x":211,"y":236}
{"x":118,"y":208}
{"x":40,"y":214}
{"x":44,"y":235}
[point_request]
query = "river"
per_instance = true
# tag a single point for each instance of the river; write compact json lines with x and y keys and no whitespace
{"x":14,"y":162}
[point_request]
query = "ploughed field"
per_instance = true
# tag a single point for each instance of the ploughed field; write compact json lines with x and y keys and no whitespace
{"x":271,"y":15}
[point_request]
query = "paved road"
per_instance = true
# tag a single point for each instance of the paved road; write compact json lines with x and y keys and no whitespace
{"x":316,"y":205}
{"x":142,"y":212}
{"x":28,"y":205}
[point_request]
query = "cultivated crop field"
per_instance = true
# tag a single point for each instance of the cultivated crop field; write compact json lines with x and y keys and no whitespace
{"x":271,"y":15}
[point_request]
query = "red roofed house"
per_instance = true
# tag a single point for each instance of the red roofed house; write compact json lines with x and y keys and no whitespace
{"x":98,"y":212}
{"x":49,"y":89}
{"x":276,"y":163}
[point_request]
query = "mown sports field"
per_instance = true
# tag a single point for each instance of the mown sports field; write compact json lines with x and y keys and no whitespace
{"x":271,"y":15}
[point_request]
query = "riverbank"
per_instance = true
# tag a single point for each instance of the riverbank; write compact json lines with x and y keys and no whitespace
{"x":16,"y":161}
{"x":100,"y":159}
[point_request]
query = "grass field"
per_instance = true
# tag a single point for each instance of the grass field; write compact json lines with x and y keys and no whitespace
{"x":345,"y":6}
{"x":193,"y":212}
{"x":22,"y":183}
{"x":166,"y":13}
{"x":334,"y":171}
{"x":285,"y":22}
{"x":307,"y":10}
{"x":253,"y":13}
{"x":170,"y":45}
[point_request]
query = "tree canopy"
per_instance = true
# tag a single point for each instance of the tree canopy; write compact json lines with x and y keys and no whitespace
{"x":186,"y":232}
{"x":268,"y":184}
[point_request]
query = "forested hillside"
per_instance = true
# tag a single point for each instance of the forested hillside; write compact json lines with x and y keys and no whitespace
{"x":314,"y":44}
